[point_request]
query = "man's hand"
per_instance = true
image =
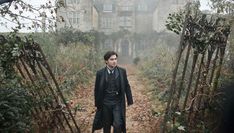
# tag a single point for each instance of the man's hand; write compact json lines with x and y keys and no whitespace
{"x":130,"y":104}
{"x":98,"y":109}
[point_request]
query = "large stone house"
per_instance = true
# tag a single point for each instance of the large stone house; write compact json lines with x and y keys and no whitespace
{"x":132,"y":15}
{"x":111,"y":16}
{"x":78,"y":14}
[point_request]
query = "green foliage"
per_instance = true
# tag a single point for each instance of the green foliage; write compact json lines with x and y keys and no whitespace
{"x":15,"y":107}
{"x":205,"y":33}
{"x":74,"y":63}
{"x":9,"y":53}
{"x":178,"y":124}
{"x":69,"y":35}
{"x":136,"y":60}
{"x":223,"y":6}
{"x":72,"y":66}
{"x":201,"y":30}
{"x":175,"y":22}
{"x":227,"y":7}
{"x":49,"y":44}
{"x":156,"y":66}
{"x":15,"y":101}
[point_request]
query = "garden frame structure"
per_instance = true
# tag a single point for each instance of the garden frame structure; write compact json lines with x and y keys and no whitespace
{"x":53,"y":113}
{"x":197,"y":70}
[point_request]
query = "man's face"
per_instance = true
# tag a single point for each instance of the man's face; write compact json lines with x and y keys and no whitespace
{"x":112,"y":61}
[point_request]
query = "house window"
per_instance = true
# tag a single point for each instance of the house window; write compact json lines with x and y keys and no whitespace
{"x":126,"y":8}
{"x":106,"y":23}
{"x":125,"y":21}
{"x":142,"y":7}
{"x":107,"y":8}
{"x":74,"y":17}
{"x":108,"y":44}
{"x":73,"y":1}
{"x":178,"y":2}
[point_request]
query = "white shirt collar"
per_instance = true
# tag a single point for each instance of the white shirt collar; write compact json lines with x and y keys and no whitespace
{"x":110,"y":70}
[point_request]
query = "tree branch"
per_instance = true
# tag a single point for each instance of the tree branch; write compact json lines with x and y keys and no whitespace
{"x":5,"y":1}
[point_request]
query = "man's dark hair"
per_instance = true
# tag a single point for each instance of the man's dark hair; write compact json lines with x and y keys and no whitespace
{"x":108,"y":54}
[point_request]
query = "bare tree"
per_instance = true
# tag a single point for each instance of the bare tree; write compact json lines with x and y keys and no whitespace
{"x":26,"y":15}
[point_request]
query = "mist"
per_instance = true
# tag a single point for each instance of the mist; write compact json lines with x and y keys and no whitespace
{"x":130,"y":27}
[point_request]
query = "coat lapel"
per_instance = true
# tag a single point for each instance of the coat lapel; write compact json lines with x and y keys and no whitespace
{"x":121,"y":80}
{"x":103,"y":78}
{"x":105,"y":74}
{"x":116,"y":72}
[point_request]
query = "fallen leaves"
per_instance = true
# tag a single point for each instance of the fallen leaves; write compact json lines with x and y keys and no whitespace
{"x":139,"y":116}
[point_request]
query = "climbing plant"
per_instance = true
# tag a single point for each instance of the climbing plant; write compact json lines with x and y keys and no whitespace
{"x":29,"y":101}
{"x":196,"y":74}
{"x":223,"y":6}
{"x":15,"y":101}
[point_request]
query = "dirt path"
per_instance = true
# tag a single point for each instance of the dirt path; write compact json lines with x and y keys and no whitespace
{"x":139,"y":115}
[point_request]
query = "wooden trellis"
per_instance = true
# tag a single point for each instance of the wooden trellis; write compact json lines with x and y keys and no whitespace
{"x":197,"y":69}
{"x":54,"y":114}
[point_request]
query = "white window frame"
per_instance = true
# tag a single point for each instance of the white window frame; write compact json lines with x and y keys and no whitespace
{"x":74,"y":18}
{"x":107,"y":23}
{"x":125,"y":21}
{"x":107,"y":7}
{"x":126,"y":8}
{"x":142,"y":7}
{"x":108,"y":44}
{"x":73,"y":1}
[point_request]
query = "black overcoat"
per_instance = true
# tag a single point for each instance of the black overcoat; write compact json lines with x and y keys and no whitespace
{"x":100,"y":85}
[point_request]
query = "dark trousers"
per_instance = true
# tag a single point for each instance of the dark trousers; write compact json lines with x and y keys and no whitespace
{"x":112,"y":116}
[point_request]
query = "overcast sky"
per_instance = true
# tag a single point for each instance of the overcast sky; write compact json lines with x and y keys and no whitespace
{"x":204,"y":4}
{"x":37,"y":3}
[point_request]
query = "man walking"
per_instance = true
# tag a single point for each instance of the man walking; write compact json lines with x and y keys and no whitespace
{"x":111,"y":87}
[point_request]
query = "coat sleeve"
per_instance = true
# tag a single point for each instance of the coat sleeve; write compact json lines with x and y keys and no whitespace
{"x":96,"y":89}
{"x":128,"y":90}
